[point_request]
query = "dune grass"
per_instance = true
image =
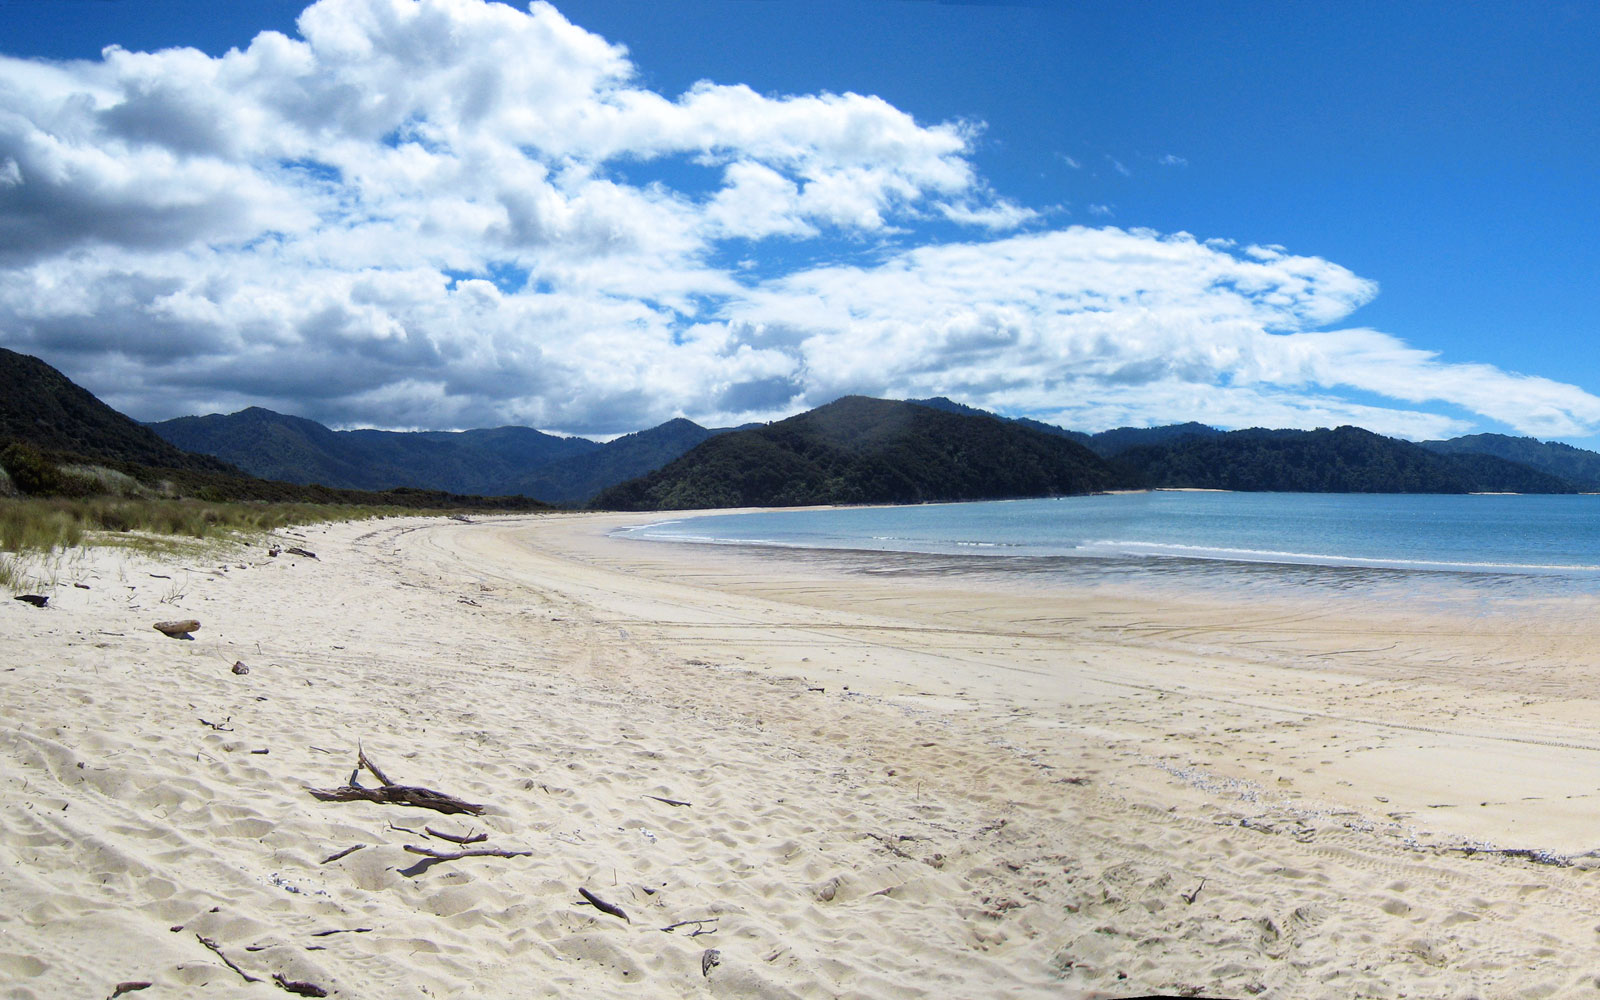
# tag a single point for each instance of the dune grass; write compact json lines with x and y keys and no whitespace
{"x":38,"y":525}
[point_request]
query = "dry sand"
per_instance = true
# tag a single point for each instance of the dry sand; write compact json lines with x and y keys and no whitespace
{"x":882,"y":784}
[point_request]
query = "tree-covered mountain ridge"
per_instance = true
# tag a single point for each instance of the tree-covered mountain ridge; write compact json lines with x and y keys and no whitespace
{"x":861,"y":450}
{"x":850,"y":453}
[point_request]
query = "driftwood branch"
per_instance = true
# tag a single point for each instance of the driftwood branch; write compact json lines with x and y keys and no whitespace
{"x":603,"y":906}
{"x":457,"y":838}
{"x":364,"y":761}
{"x":347,"y":851}
{"x":247,"y":977}
{"x":299,"y":987}
{"x":699,"y":926}
{"x":398,"y":795}
{"x":471,"y":852}
{"x":391,"y":793}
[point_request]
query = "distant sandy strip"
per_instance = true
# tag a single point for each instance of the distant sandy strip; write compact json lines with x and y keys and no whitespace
{"x":829,"y":777}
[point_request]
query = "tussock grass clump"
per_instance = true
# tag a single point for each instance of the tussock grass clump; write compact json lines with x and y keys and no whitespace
{"x":11,"y":575}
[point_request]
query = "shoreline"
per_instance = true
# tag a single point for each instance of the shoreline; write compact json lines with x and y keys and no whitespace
{"x":898,"y":785}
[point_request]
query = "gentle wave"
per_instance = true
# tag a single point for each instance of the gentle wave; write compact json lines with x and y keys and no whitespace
{"x":1114,"y":547}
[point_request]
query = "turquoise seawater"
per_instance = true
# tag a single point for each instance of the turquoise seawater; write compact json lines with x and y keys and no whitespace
{"x":1535,"y":544}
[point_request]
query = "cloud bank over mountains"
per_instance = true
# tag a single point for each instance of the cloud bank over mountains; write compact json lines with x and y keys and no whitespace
{"x":452,"y":213}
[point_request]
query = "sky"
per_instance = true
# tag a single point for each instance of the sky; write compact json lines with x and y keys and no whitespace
{"x":593,"y":216}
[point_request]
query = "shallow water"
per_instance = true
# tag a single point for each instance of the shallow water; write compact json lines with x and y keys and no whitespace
{"x":1457,"y":550}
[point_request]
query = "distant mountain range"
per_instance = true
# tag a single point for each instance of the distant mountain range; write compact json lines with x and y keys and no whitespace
{"x":854,"y":450}
{"x":57,"y":438}
{"x":498,"y":462}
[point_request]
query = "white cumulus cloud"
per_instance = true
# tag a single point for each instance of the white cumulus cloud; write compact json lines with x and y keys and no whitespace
{"x":445,"y":213}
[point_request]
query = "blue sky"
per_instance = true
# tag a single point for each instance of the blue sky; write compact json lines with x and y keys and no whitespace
{"x":1003,"y":225}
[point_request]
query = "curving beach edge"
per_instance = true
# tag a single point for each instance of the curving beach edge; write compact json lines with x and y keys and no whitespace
{"x":706,"y":770}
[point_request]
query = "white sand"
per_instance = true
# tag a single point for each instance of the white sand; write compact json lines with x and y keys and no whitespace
{"x":996,"y":792}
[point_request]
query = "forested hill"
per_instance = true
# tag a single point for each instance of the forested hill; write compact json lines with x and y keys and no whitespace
{"x":1580,"y":467}
{"x":1342,"y":460}
{"x":862,"y":450}
{"x":43,"y":408}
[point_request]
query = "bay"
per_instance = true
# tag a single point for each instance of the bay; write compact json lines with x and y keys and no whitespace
{"x":1489,"y":544}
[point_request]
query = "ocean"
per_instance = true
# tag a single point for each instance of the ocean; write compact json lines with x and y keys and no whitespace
{"x":1489,"y":546}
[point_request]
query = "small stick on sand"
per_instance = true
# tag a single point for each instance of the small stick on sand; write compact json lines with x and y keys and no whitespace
{"x":457,"y":838}
{"x":670,"y":802}
{"x":226,"y":960}
{"x":1190,"y":897}
{"x":602,"y":905}
{"x":299,"y":987}
{"x":330,"y":859}
{"x":221,"y":727}
{"x":364,"y":761}
{"x":699,"y":927}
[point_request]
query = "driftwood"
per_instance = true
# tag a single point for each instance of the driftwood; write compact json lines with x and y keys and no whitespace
{"x":398,"y":795}
{"x":293,"y":551}
{"x":178,"y":629}
{"x":391,"y":793}
{"x":602,"y":905}
{"x":670,"y":802}
{"x":239,"y":668}
{"x":247,"y":977}
{"x":330,"y":859}
{"x":471,"y":852}
{"x":300,"y":987}
{"x":699,"y":926}
{"x":457,"y":838}
{"x":37,"y":600}
{"x":131,"y":986}
{"x":709,"y":959}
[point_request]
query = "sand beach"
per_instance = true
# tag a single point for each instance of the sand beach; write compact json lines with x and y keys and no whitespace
{"x":782,"y":775}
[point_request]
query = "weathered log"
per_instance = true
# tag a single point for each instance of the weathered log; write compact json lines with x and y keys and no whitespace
{"x":37,"y":600}
{"x":178,"y":629}
{"x":398,"y":795}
